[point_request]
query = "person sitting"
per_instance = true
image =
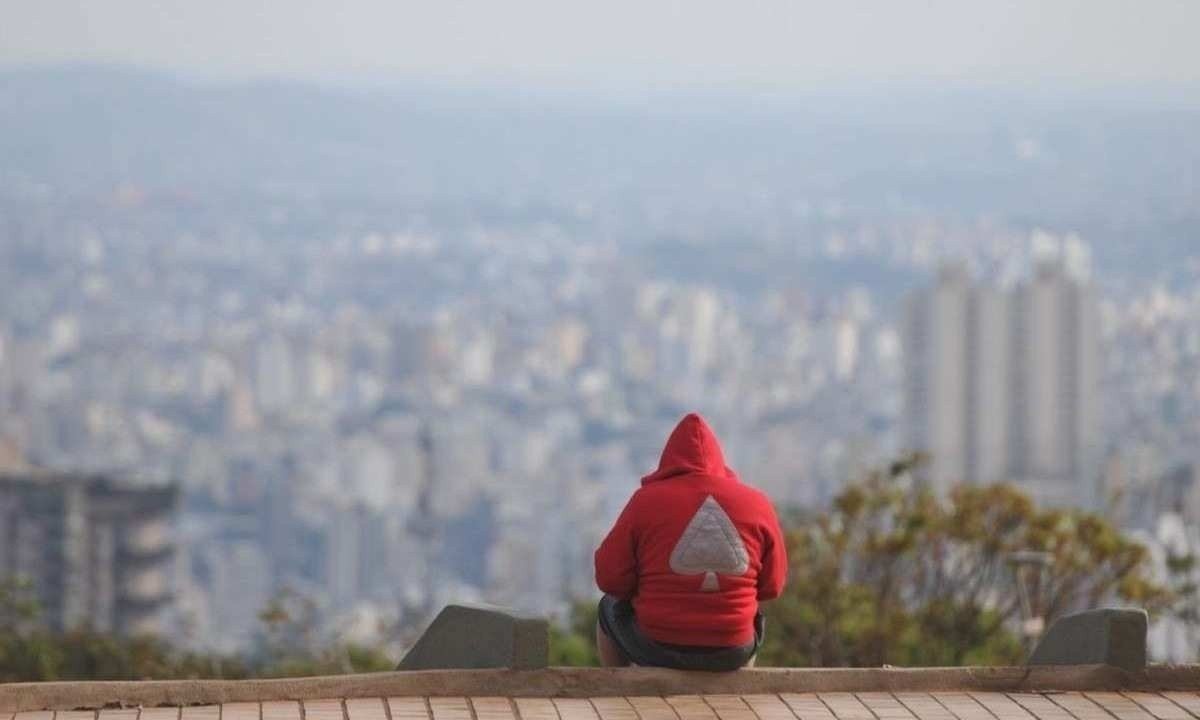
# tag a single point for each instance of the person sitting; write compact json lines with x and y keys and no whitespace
{"x":687,"y":563}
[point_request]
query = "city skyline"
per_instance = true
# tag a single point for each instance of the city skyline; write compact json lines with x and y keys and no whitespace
{"x":398,"y":349}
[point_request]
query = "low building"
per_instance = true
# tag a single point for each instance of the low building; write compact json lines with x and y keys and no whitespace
{"x":96,"y":552}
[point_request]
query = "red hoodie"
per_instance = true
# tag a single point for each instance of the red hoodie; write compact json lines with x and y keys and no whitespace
{"x":695,"y":549}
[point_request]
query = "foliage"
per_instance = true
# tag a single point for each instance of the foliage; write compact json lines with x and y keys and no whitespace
{"x":30,"y":652}
{"x":1181,"y":571}
{"x":575,"y":644}
{"x":288,"y":648}
{"x":893,"y":575}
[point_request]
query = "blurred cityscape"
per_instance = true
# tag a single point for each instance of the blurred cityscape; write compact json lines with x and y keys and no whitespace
{"x":392,"y":350}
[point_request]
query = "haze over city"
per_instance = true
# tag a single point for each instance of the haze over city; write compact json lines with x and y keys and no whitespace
{"x":402,"y":299}
{"x":624,"y":45}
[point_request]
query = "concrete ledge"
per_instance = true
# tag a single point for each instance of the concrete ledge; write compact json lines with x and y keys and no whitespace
{"x":590,"y":682}
{"x":469,"y":637}
{"x":1115,"y":637}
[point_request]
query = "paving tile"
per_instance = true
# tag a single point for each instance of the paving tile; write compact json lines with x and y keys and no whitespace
{"x":75,"y":715}
{"x":1001,"y":706}
{"x":1079,"y":706}
{"x":493,"y":708}
{"x":536,"y":709}
{"x":364,"y":709}
{"x":449,"y":708}
{"x":1189,"y":701}
{"x":35,"y":715}
{"x":1039,"y":706}
{"x":845,"y":706}
{"x":614,"y":708}
{"x":119,"y":714}
{"x":279,"y":710}
{"x":652,"y":707}
{"x":159,"y":713}
{"x":1119,"y":706}
{"x":691,"y":707}
{"x":329,"y":709}
{"x":575,"y":709}
{"x":408,"y":708}
{"x":730,"y":707}
{"x":768,"y":707}
{"x":924,"y":706}
{"x":200,"y":712}
{"x":966,"y":706}
{"x":1159,"y":706}
{"x":807,"y":706}
{"x":239,"y":711}
{"x":884,"y":706}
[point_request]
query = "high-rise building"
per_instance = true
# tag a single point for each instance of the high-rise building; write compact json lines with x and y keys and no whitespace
{"x":1000,"y":385}
{"x":96,"y":552}
{"x":936,"y":381}
{"x":1056,"y":351}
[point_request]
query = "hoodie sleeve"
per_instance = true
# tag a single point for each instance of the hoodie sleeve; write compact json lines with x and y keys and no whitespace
{"x":616,"y":558}
{"x":774,"y":559}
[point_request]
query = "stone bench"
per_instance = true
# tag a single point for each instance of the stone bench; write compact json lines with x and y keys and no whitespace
{"x":1114,"y":637}
{"x":465,"y":637}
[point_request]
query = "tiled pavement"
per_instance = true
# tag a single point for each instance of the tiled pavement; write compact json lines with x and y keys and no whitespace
{"x":786,"y":706}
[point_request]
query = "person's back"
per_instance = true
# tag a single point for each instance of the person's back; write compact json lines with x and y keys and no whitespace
{"x":693,"y":553}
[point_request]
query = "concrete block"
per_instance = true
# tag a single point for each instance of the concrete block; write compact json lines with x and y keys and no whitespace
{"x":1110,"y":636}
{"x":466,"y":637}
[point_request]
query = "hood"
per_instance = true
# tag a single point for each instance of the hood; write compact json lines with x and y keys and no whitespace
{"x":692,"y":449}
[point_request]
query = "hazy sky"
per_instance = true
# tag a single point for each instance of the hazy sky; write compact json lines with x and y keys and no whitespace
{"x":616,"y":43}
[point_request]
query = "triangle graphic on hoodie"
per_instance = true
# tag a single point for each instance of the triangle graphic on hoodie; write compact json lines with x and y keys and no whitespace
{"x":710,"y":545}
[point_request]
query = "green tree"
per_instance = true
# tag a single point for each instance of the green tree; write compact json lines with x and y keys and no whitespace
{"x":575,"y":643}
{"x":25,"y":651}
{"x":894,"y":575}
{"x":1181,"y":576}
{"x":288,"y":647}
{"x":31,"y":652}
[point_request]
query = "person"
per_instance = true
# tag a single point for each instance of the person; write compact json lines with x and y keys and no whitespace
{"x":687,"y":563}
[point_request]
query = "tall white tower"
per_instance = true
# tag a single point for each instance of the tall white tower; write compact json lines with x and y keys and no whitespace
{"x":936,"y":380}
{"x":1056,"y":353}
{"x":1001,"y":386}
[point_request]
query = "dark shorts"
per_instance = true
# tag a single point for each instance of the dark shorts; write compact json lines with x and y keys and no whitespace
{"x":619,"y":624}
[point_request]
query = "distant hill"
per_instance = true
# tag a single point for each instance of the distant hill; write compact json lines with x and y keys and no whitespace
{"x":1110,"y":165}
